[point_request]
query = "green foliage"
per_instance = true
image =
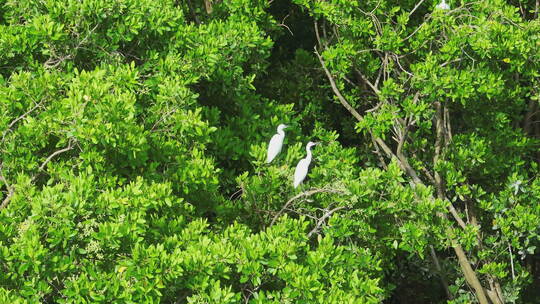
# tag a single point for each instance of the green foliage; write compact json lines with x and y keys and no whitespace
{"x":133,"y":138}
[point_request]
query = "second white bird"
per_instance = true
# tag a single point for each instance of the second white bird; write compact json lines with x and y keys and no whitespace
{"x":303,"y":166}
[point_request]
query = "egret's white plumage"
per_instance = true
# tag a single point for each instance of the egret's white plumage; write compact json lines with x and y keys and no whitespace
{"x":303,"y":166}
{"x":276,"y":143}
{"x":443,"y":5}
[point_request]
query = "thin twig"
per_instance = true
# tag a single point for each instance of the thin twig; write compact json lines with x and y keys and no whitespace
{"x":511,"y":261}
{"x":342,"y":99}
{"x":284,"y":25}
{"x":323,"y":218}
{"x":69,"y":147}
{"x":416,"y":7}
{"x":317,"y":35}
{"x":11,"y":124}
{"x":402,"y":160}
{"x":364,"y":78}
{"x":9,"y":188}
{"x":303,"y":194}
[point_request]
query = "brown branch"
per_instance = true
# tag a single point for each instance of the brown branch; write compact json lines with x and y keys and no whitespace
{"x":511,"y":261}
{"x":364,"y":78}
{"x":494,"y":293}
{"x":284,"y":25}
{"x":303,"y":194}
{"x":9,"y":188}
{"x":322,"y":219}
{"x":12,"y":123}
{"x":439,"y":142}
{"x":48,"y":159}
{"x":416,"y":7}
{"x":55,"y":60}
{"x":470,"y":274}
{"x":342,"y":99}
{"x":401,"y":134}
{"x":208,"y":6}
{"x":396,"y":59}
{"x":439,"y":138}
{"x":379,"y":155}
{"x":402,"y":160}
{"x":448,"y":127}
{"x":317,"y":35}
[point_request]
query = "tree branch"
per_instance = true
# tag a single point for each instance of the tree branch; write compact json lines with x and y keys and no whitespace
{"x":402,"y":160}
{"x":9,"y":188}
{"x":69,"y":147}
{"x":303,"y":194}
{"x":12,"y":123}
{"x":439,"y":142}
{"x":322,"y":219}
{"x":470,"y":274}
{"x":208,"y":6}
{"x":416,"y":7}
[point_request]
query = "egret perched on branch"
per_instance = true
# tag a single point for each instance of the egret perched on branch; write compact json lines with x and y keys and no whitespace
{"x":443,"y":5}
{"x":274,"y":147}
{"x":303,"y":165}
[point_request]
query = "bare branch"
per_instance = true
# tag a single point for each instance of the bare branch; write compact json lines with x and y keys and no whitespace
{"x":303,"y":194}
{"x":511,"y":261}
{"x":12,"y":123}
{"x":323,"y":218}
{"x":317,"y":35}
{"x":416,"y":7}
{"x":208,"y":6}
{"x":342,"y":99}
{"x":402,"y":160}
{"x":379,"y":155}
{"x":284,"y":25}
{"x":396,"y":59}
{"x":439,"y":142}
{"x":470,"y":274}
{"x":371,"y":85}
{"x":439,"y":137}
{"x":414,"y":32}
{"x":69,"y":147}
{"x":9,"y":188}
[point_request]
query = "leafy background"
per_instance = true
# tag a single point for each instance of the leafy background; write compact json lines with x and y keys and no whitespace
{"x":134,"y":134}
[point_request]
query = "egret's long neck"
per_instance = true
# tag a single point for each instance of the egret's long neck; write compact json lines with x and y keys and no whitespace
{"x":308,"y":150}
{"x":281,"y":132}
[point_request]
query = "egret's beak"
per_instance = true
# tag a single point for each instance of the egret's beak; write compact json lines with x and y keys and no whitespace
{"x":286,"y":126}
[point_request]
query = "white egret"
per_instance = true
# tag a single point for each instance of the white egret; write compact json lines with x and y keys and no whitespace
{"x":303,"y":165}
{"x":443,"y":5}
{"x":274,"y":147}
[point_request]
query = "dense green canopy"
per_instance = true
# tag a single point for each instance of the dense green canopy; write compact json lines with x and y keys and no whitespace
{"x":133,"y":139}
